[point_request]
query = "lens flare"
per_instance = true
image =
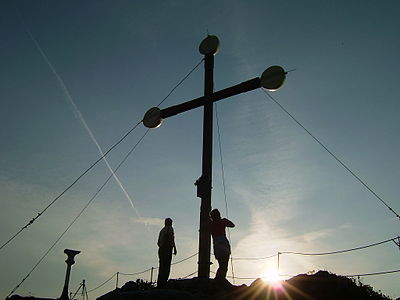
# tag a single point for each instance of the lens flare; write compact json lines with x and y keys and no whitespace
{"x":271,"y":277}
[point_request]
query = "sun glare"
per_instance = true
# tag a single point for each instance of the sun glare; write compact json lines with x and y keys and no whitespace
{"x":271,"y":277}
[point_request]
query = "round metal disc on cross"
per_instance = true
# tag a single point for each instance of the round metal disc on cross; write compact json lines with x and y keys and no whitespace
{"x":152,"y":118}
{"x":210,"y":45}
{"x":273,"y":78}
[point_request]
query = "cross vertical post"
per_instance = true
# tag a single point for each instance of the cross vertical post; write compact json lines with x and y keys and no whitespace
{"x":204,"y":184}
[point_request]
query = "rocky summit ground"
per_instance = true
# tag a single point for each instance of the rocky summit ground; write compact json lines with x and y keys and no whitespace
{"x":320,"y":286}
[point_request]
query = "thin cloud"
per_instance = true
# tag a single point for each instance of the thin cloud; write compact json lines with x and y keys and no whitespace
{"x":149,"y":221}
{"x":316,"y":235}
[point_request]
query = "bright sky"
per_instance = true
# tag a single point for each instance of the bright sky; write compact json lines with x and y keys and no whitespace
{"x":77,"y":73}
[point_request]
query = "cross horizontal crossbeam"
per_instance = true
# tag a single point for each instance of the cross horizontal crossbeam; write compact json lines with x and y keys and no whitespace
{"x":243,"y":87}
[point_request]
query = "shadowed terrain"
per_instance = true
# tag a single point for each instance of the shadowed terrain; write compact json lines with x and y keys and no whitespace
{"x":319,"y":286}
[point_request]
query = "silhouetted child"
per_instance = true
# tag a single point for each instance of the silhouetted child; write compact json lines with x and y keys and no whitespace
{"x":166,"y":243}
{"x":222,"y":249}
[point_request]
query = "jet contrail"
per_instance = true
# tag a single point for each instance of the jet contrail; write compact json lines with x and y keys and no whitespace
{"x":79,"y":115}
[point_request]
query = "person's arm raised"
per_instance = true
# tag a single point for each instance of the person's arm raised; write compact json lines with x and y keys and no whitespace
{"x":228,"y":223}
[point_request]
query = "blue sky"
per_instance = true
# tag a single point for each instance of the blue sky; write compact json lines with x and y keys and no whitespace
{"x":112,"y":61}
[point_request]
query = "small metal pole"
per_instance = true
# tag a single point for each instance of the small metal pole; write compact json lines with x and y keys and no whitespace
{"x":278,"y":264}
{"x":151,"y":275}
{"x":83,"y":289}
{"x":116,"y":284}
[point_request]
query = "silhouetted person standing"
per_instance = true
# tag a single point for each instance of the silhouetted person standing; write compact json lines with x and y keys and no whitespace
{"x":222,"y":249}
{"x":166,"y":243}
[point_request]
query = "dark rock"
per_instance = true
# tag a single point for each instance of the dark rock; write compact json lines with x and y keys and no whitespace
{"x":325,"y":285}
{"x":319,"y":286}
{"x":130,"y":286}
{"x":154,"y":294}
{"x":18,"y":297}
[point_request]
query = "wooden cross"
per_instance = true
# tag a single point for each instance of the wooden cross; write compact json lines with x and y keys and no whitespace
{"x":271,"y":79}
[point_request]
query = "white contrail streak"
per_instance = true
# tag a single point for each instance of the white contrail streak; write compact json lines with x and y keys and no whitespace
{"x":80,"y":116}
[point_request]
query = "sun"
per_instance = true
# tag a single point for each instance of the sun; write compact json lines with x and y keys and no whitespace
{"x":271,"y":277}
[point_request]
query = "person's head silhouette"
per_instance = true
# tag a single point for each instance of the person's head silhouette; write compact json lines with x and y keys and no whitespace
{"x":215,"y":214}
{"x":168,"y":222}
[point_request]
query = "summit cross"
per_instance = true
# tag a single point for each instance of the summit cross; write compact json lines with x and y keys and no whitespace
{"x":271,"y":79}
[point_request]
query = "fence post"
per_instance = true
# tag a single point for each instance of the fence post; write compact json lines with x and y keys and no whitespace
{"x":278,"y":264}
{"x":116,"y":284}
{"x":151,"y":275}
